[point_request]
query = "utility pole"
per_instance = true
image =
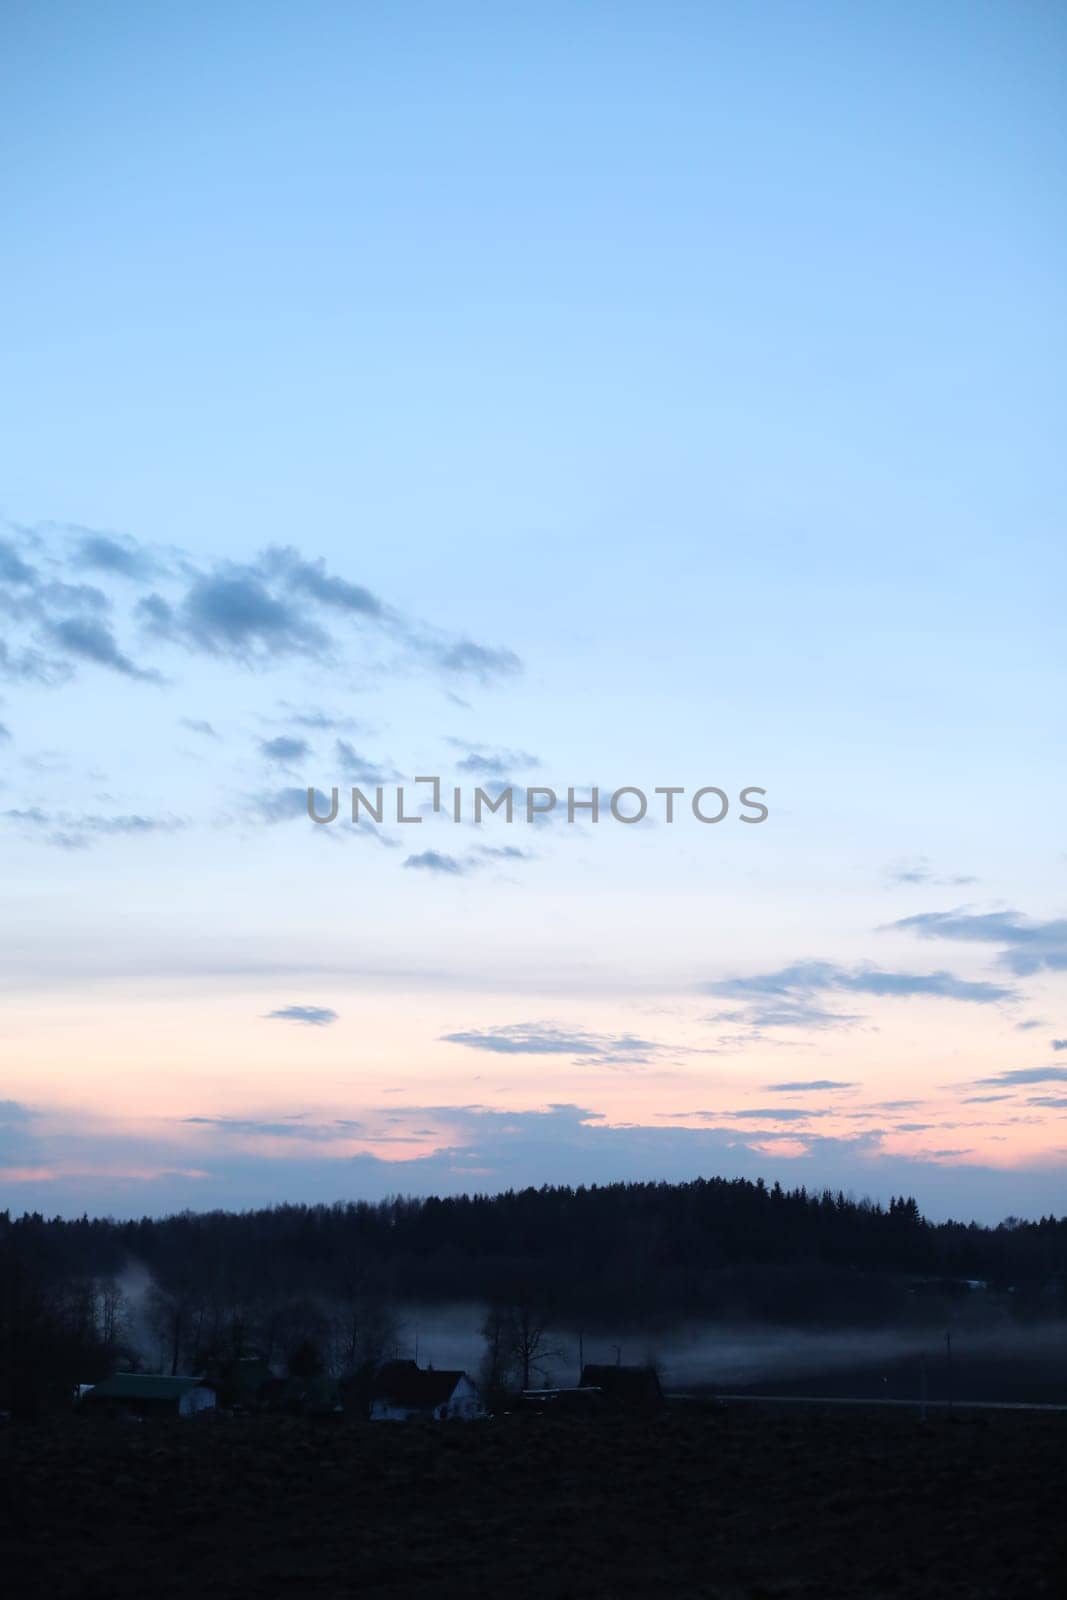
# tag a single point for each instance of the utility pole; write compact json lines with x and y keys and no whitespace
{"x":948,"y":1347}
{"x":922,"y":1388}
{"x":581,"y":1353}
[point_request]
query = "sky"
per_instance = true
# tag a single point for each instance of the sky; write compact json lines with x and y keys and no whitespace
{"x":531,"y":397}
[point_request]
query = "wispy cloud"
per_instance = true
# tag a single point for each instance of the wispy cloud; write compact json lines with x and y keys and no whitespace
{"x":786,"y":997}
{"x":1026,"y":1075}
{"x":921,"y":871}
{"x":477,"y":660}
{"x":309,"y":1016}
{"x":436,"y":861}
{"x":489,"y":762}
{"x":296,"y":1127}
{"x":481,"y":857}
{"x":763,"y":1114}
{"x":314,"y":718}
{"x":77,"y":830}
{"x":1025,"y":945}
{"x":809,"y":1086}
{"x":359,"y":768}
{"x":547,"y":1039}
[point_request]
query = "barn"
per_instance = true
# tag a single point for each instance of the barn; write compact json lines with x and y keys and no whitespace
{"x":148,"y":1394}
{"x":402,"y":1389}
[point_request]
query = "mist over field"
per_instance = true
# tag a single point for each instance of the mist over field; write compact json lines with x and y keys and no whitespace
{"x":1000,"y":1361}
{"x":993,"y":1360}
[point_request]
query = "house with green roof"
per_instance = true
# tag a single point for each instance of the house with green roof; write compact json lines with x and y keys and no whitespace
{"x":148,"y":1394}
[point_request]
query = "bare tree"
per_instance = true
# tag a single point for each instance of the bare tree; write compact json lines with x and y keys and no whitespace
{"x":526,"y":1334}
{"x":364,"y":1329}
{"x":496,"y":1363}
{"x":112,"y":1313}
{"x":166,"y":1314}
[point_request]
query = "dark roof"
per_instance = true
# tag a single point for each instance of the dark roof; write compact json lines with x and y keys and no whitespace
{"x":403,"y":1383}
{"x":623,"y":1383}
{"x":142,"y":1386}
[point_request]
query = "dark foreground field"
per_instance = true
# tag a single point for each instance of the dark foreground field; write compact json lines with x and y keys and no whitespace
{"x":744,"y":1501}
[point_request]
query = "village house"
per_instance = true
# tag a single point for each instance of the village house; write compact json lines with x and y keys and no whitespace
{"x":148,"y":1394}
{"x":402,"y":1389}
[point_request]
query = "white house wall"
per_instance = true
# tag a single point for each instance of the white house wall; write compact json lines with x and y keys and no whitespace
{"x":195,"y":1400}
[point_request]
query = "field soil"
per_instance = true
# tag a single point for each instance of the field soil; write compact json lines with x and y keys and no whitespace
{"x":726,"y":1502}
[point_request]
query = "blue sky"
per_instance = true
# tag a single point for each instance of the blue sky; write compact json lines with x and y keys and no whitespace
{"x":628,"y":395}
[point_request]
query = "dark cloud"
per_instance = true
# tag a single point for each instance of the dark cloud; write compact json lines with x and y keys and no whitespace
{"x":488,"y":1149}
{"x":284,"y":748}
{"x":104,"y":552}
{"x":312,"y":579}
{"x":231,"y":612}
{"x":5,"y":731}
{"x":282,"y":604}
{"x":1054,"y":1102}
{"x":17,"y":1144}
{"x":92,"y":640}
{"x":198,"y":726}
{"x":310,"y":1016}
{"x":1026,"y":946}
{"x":1059,"y":1044}
{"x":72,"y":597}
{"x":12,"y":567}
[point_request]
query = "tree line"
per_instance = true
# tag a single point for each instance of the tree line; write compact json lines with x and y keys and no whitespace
{"x":330,"y":1281}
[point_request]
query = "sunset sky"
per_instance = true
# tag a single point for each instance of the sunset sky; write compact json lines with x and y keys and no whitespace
{"x":564,"y":396}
